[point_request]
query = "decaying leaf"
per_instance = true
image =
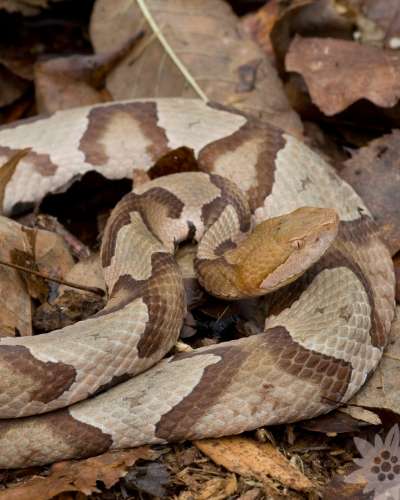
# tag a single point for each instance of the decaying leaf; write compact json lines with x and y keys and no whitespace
{"x":67,"y":82}
{"x":374,"y":172}
{"x":252,"y":459}
{"x":382,"y":389}
{"x":80,"y":475}
{"x":182,"y":56}
{"x":338,"y":72}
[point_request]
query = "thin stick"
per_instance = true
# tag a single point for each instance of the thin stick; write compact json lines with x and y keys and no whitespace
{"x":92,"y":289}
{"x":169,"y":50}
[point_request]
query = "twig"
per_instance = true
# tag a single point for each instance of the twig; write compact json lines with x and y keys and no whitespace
{"x":169,"y":50}
{"x":92,"y":289}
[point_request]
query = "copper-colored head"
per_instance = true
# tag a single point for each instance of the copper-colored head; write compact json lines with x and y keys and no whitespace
{"x":281,"y":249}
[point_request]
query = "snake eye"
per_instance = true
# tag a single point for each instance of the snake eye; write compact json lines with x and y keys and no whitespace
{"x":297,"y":244}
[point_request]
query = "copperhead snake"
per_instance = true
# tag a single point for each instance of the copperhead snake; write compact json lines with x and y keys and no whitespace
{"x":314,"y":353}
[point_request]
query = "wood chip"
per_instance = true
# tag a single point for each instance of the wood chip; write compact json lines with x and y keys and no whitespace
{"x":258,"y":460}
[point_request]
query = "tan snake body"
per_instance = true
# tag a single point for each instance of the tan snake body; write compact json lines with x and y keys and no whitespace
{"x":316,"y":350}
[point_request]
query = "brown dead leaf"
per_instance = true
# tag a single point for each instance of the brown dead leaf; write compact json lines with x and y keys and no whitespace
{"x":80,"y":476}
{"x":382,"y":389}
{"x":252,"y":459}
{"x":15,"y":303}
{"x":48,"y":255}
{"x":374,"y":172}
{"x":52,"y":254}
{"x":67,"y":82}
{"x":182,"y":56}
{"x":309,"y":18}
{"x":7,"y":170}
{"x":338,"y":72}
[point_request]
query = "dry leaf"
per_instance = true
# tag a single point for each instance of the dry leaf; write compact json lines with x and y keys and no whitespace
{"x":52,"y":254}
{"x":80,"y":476}
{"x":37,"y":286}
{"x":190,"y":50}
{"x":252,"y":459}
{"x":338,"y":72}
{"x":15,"y":303}
{"x":7,"y":170}
{"x":47,"y":254}
{"x":374,"y":172}
{"x":67,"y":82}
{"x":309,"y":18}
{"x":382,"y":389}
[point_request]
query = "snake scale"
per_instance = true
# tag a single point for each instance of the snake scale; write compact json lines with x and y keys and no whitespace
{"x":316,"y":349}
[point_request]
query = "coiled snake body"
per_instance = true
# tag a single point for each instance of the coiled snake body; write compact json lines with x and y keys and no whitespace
{"x":315,"y":352}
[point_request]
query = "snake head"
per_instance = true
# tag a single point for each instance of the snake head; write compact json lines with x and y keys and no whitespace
{"x":299,"y":240}
{"x":277,"y":252}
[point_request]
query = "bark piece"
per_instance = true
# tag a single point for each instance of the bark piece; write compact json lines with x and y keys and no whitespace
{"x":258,"y":460}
